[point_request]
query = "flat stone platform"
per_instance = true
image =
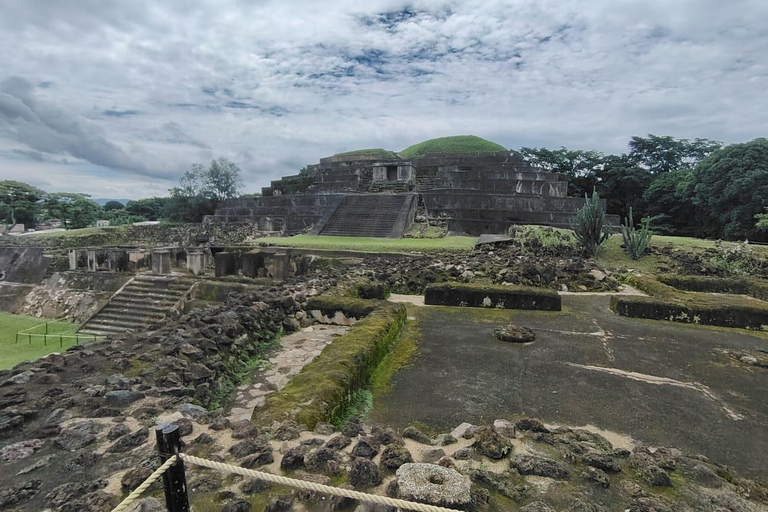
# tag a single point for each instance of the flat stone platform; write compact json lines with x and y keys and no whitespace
{"x":661,"y":383}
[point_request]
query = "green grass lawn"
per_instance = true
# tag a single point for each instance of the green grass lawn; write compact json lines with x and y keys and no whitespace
{"x":454,"y":144}
{"x":352,"y":243}
{"x":12,"y":353}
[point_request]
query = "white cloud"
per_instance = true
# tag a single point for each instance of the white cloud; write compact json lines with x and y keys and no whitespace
{"x":127,"y":95}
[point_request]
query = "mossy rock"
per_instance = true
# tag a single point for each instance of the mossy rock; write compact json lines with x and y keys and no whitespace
{"x":514,"y":334}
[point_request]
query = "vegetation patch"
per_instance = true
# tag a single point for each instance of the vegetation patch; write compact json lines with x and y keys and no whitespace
{"x":384,"y":154}
{"x":740,"y":285}
{"x":326,"y":387}
{"x":455,"y":144}
{"x":370,"y":244}
{"x":668,"y":303}
{"x":34,"y":347}
{"x":371,"y":290}
{"x":352,"y":307}
{"x":490,"y":296}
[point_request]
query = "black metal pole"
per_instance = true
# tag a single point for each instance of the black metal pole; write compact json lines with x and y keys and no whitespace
{"x":174,"y":480}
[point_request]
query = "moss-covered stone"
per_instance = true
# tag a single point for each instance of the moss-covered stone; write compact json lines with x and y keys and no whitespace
{"x":490,"y":296}
{"x":668,"y":303}
{"x":324,"y":388}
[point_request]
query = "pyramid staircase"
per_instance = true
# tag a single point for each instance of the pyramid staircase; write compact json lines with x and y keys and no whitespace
{"x":142,"y":302}
{"x":365,"y":215}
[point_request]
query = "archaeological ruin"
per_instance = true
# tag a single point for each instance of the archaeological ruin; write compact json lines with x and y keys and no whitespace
{"x":379,"y":195}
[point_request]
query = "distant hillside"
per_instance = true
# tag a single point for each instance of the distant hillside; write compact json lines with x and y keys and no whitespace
{"x":455,"y":144}
{"x":102,"y":201}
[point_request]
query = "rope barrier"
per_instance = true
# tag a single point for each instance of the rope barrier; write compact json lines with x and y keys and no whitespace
{"x":311,"y":486}
{"x":145,"y":485}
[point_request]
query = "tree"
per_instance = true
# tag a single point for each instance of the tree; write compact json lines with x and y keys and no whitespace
{"x":622,"y":183}
{"x":668,"y":203}
{"x":730,"y":187}
{"x":762,"y":220}
{"x":150,"y":208}
{"x":113,"y":205}
{"x":19,"y":202}
{"x":221,"y":180}
{"x":578,"y":165}
{"x":664,"y":153}
{"x":122,"y":217}
{"x":74,"y":210}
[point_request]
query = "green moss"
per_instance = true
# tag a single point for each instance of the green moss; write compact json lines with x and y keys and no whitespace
{"x":376,"y":245}
{"x":396,"y":359}
{"x":668,"y":303}
{"x":323,"y":390}
{"x":492,"y":296}
{"x":353,"y":307}
{"x":371,"y":290}
{"x":743,"y":285}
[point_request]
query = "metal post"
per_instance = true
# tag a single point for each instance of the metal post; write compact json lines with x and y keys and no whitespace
{"x":174,"y":480}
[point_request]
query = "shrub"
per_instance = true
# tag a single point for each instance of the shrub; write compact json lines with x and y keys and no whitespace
{"x":635,"y":241}
{"x":589,"y":225}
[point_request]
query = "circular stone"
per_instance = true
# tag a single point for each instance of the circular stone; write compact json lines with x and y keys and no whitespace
{"x":514,"y":333}
{"x":433,"y":484}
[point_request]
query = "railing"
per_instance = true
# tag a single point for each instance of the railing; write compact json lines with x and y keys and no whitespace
{"x":175,"y":483}
{"x":29,"y":333}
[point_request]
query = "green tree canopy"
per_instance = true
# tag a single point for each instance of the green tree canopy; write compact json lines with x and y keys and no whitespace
{"x":113,"y":205}
{"x":150,"y":208}
{"x":668,"y":203}
{"x":664,"y":153}
{"x":74,"y":210}
{"x":729,"y":188}
{"x":19,"y":202}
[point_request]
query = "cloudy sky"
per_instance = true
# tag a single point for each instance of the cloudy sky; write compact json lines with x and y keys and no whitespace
{"x":118,"y":98}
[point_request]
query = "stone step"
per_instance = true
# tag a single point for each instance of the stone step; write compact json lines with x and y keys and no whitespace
{"x":130,"y":315}
{"x":124,"y":324}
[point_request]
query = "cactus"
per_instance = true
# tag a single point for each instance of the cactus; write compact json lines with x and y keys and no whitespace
{"x":589,"y":225}
{"x":635,"y":241}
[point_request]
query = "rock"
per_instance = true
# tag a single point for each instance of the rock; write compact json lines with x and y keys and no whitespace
{"x":254,"y":486}
{"x":323,"y":460}
{"x":185,"y":426}
{"x":219,"y":423}
{"x":366,"y":447}
{"x":436,"y":485}
{"x":148,"y":505}
{"x":70,"y":492}
{"x":598,"y":476}
{"x":395,"y":456}
{"x":352,"y":428}
{"x":203,"y":438}
{"x":324,"y":429}
{"x":531,"y":425}
{"x":537,"y":506}
{"x":364,"y":473}
{"x":313,"y":441}
{"x":287,"y":431}
{"x":645,"y":466}
{"x":463,"y":453}
{"x":21,"y":450}
{"x":462,"y":430}
{"x":122,"y":397}
{"x":384,"y":435}
{"x":280,"y":504}
{"x":16,"y":495}
{"x":702,"y":474}
{"x":118,"y":380}
{"x":447,"y":462}
{"x":42,"y":462}
{"x":57,"y":417}
{"x":247,"y":447}
{"x":244,"y":429}
{"x":504,"y":483}
{"x":78,"y":436}
{"x":417,"y":435}
{"x":505,"y":428}
{"x":597,"y":274}
{"x":445,"y":440}
{"x":601,"y":461}
{"x":650,"y":504}
{"x":19,"y":378}
{"x":134,"y":477}
{"x":338,"y":442}
{"x":192,"y":411}
{"x":582,"y":506}
{"x":129,"y":442}
{"x":539,"y":466}
{"x":432,"y":455}
{"x":238,"y":505}
{"x":262,"y":457}
{"x":293,"y":458}
{"x":9,"y":423}
{"x":748,"y":359}
{"x":514,"y":334}
{"x":117,"y":431}
{"x":490,"y":443}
